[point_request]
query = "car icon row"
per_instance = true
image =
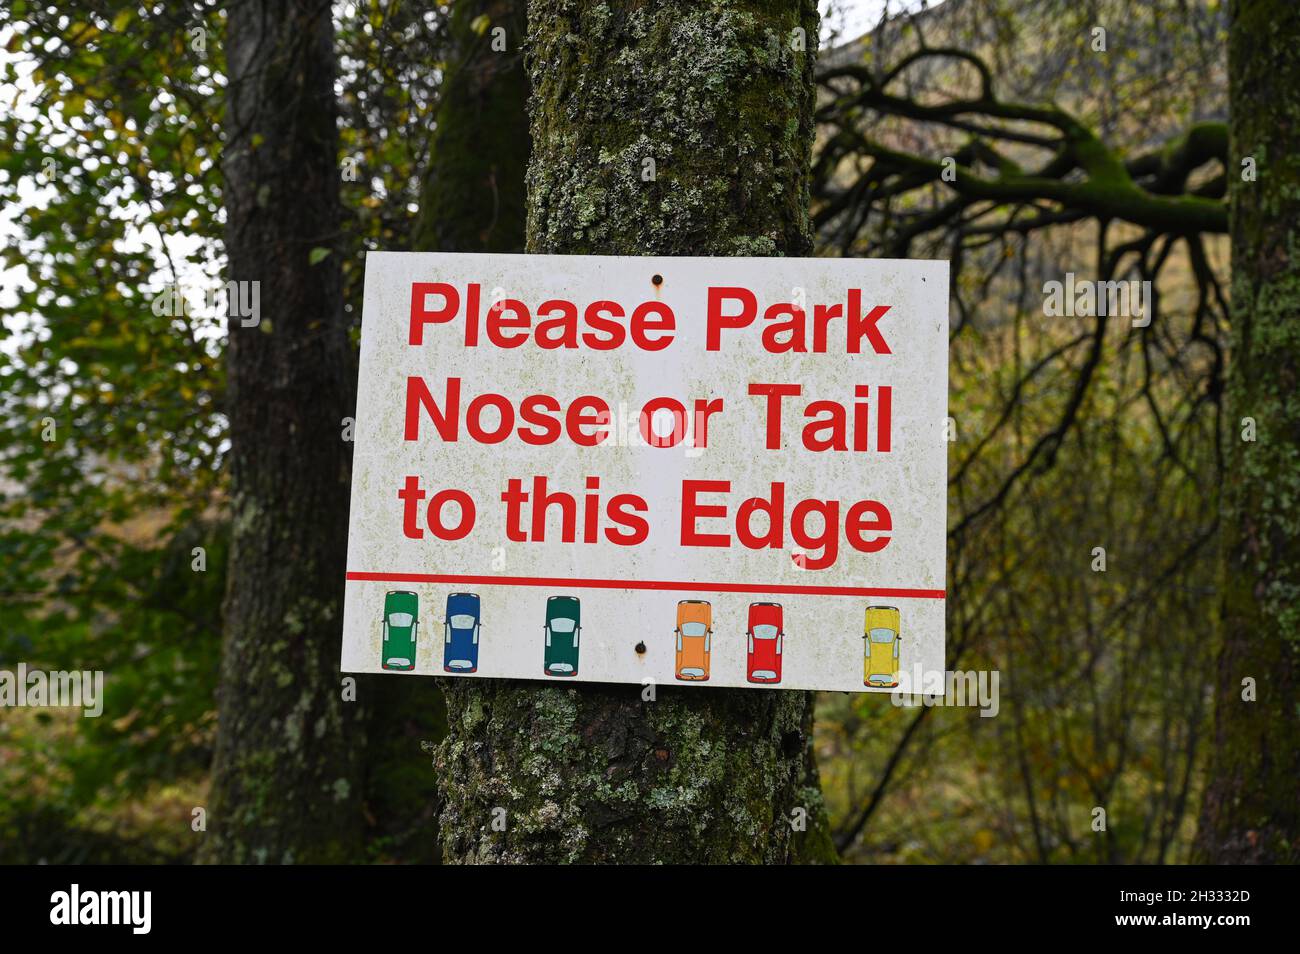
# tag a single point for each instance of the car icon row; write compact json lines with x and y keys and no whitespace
{"x":401,"y":625}
{"x":562,"y":632}
{"x":765,"y":636}
{"x":461,"y":628}
{"x":765,"y":643}
{"x":694,"y":634}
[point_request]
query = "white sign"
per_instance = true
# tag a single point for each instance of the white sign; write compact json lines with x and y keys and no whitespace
{"x":691,"y":471}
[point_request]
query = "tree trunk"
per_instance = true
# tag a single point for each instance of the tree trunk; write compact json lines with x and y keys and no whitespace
{"x":1251,"y":810}
{"x":719,"y":94}
{"x":289,"y":750}
{"x":473,"y":197}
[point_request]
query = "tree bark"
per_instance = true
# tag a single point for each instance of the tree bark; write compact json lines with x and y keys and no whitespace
{"x":285,"y":781}
{"x":1251,"y":809}
{"x":719,"y":93}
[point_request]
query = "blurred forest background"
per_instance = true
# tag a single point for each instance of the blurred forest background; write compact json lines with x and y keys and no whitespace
{"x":1069,"y":434}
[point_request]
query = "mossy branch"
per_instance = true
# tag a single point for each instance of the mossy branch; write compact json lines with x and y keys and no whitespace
{"x":1149,"y":190}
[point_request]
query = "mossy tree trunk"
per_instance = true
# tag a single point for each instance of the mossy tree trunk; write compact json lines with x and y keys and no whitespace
{"x":719,"y":94}
{"x":1251,"y":808}
{"x":285,"y":781}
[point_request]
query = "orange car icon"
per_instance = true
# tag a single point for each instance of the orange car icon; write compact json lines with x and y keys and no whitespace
{"x":694,"y":640}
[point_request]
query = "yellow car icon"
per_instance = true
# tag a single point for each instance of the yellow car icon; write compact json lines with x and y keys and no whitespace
{"x":880,"y":647}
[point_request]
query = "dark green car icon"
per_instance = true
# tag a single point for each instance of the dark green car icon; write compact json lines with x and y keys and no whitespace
{"x":563,"y":627}
{"x":401,"y":623}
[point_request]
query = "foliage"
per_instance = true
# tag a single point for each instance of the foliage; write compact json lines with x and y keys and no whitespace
{"x":111,"y":183}
{"x":1072,"y":433}
{"x":109,"y":180}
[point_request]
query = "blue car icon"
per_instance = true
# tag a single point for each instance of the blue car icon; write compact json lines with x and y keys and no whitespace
{"x":460,"y":646}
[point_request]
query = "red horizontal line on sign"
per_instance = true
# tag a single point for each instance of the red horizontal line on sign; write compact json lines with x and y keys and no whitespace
{"x":579,"y":583}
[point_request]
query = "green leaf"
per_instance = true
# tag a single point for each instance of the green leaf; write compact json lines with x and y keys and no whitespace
{"x":317,"y":255}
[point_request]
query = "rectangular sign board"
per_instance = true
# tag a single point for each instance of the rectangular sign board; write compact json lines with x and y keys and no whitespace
{"x":696,"y":471}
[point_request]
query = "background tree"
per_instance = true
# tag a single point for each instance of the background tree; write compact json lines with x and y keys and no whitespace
{"x":286,"y":739}
{"x":1251,"y":813}
{"x":473,"y":199}
{"x":668,"y":128}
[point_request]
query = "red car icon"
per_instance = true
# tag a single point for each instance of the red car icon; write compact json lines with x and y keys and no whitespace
{"x":766,"y":636}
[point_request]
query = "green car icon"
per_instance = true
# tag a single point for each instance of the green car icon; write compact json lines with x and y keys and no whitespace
{"x":563,"y":627}
{"x":401,"y":623}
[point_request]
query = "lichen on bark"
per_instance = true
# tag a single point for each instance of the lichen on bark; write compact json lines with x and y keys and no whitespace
{"x":714,"y":93}
{"x":598,"y":774}
{"x":719,"y":96}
